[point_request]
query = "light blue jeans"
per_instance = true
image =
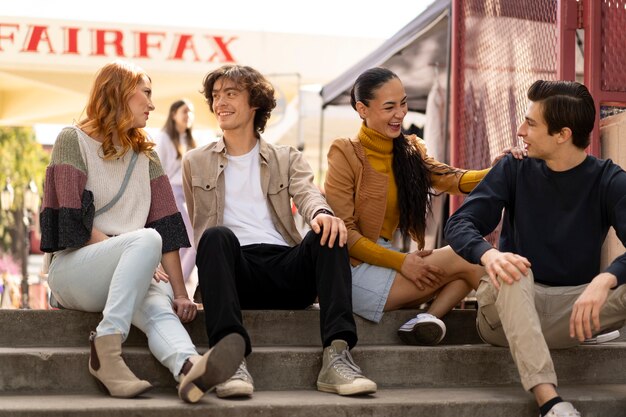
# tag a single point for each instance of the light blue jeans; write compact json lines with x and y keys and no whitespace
{"x":115,"y":277}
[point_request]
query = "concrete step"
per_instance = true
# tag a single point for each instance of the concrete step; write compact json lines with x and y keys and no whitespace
{"x":591,"y":400}
{"x":42,"y":328}
{"x":40,"y":370}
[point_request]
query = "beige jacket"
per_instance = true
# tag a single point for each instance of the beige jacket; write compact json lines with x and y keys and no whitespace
{"x":284,"y":175}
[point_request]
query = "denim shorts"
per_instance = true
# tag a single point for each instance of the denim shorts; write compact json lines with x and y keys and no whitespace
{"x":370,"y":287}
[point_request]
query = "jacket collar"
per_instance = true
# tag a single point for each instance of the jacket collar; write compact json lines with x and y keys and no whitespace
{"x":264,"y":150}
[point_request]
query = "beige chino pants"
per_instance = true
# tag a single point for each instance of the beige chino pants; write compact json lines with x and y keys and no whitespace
{"x":531,"y":318}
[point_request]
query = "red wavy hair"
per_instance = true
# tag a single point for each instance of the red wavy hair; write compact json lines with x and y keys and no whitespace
{"x":108,"y":113}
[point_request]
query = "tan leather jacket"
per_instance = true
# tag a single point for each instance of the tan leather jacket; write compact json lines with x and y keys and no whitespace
{"x":284,"y":175}
{"x":357,"y":192}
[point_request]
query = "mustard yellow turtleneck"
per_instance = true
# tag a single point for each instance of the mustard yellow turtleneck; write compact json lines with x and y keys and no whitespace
{"x":379,"y":153}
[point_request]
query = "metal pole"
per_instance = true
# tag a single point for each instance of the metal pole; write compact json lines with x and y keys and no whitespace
{"x":592,"y":18}
{"x":300,"y":141}
{"x":321,"y":149}
{"x":26,"y":251}
{"x":457,"y":28}
{"x":567,"y":23}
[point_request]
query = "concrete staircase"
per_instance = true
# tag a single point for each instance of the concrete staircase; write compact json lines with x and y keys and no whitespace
{"x":43,"y":371}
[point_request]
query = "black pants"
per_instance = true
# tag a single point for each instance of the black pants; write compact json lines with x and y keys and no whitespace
{"x":264,"y":276}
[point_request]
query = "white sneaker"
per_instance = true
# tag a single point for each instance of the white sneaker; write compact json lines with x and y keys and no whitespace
{"x":563,"y":409}
{"x":425,"y":329}
{"x":240,"y":384}
{"x":602,"y":338}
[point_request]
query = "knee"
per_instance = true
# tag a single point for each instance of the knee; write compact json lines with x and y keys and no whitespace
{"x":313,"y":240}
{"x":216,"y":238}
{"x":526,"y":282}
{"x":312,"y":237}
{"x":522,"y":287}
{"x":150,"y":242}
{"x":150,"y":239}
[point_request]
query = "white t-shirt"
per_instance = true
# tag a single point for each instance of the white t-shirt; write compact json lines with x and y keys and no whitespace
{"x":245,"y":205}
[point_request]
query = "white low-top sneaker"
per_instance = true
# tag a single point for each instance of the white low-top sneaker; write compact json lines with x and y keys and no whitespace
{"x":563,"y":409}
{"x":424,"y":329}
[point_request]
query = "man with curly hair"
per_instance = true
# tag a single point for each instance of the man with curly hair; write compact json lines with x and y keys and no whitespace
{"x":250,"y":253}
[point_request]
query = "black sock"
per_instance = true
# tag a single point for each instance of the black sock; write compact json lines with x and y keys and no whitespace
{"x":546,"y":407}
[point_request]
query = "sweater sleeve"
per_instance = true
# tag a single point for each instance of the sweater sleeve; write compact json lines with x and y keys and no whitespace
{"x":617,"y":214}
{"x":372,"y":253}
{"x":164,"y":216}
{"x":470,"y":180}
{"x":67,"y":212}
{"x":481,"y":212}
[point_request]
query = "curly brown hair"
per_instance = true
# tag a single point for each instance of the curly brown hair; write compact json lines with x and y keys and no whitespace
{"x":260,"y":90}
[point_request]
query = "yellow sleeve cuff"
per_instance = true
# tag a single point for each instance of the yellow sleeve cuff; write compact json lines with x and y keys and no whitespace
{"x":470,"y":180}
{"x":369,"y":252}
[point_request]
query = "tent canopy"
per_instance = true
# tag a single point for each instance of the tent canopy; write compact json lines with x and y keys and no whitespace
{"x":418,"y":54}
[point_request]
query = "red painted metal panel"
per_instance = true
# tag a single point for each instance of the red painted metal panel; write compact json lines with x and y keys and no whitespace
{"x":567,"y":23}
{"x":499,"y":47}
{"x":604,"y":22}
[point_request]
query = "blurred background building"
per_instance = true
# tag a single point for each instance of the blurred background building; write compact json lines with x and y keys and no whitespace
{"x":465,"y":64}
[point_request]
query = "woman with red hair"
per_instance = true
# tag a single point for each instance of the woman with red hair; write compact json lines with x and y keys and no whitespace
{"x":109,"y":217}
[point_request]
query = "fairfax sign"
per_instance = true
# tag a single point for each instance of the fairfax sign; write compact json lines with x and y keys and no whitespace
{"x":80,"y":43}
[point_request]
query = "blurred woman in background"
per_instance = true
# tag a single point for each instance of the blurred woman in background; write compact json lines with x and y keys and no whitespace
{"x":172,"y":142}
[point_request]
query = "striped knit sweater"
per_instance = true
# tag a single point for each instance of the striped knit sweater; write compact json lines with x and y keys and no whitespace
{"x":79,"y":182}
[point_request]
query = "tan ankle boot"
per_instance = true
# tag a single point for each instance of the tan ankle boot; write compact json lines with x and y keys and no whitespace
{"x":107,"y":365}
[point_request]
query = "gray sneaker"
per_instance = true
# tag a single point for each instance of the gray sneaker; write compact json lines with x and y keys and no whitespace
{"x":240,"y":384}
{"x":563,"y":409}
{"x":339,"y":373}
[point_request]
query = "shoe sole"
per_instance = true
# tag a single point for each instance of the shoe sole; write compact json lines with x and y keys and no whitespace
{"x":215,"y":367}
{"x":602,"y":338}
{"x":104,"y":389}
{"x":422,"y":334}
{"x":240,"y":391}
{"x":346,"y":389}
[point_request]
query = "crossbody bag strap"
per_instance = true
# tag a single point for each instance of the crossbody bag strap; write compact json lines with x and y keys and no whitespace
{"x":119,"y":194}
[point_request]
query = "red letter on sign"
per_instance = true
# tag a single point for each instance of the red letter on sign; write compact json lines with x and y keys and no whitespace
{"x":71,"y":40}
{"x":144,"y":43}
{"x":37,"y":34}
{"x":184,"y":42}
{"x":101,"y":42}
{"x":10,"y":36}
{"x":221,"y":49}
